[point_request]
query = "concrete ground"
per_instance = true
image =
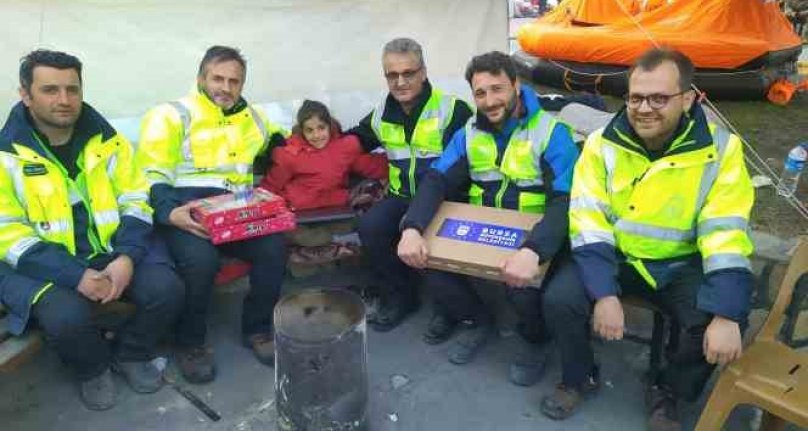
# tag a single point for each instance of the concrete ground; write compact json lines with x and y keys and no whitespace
{"x":411,"y":385}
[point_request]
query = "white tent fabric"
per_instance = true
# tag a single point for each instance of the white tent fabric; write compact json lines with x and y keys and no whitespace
{"x":138,"y":53}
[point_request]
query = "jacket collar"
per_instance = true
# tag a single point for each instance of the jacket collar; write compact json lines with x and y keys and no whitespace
{"x":240,"y":105}
{"x":19,"y":129}
{"x":692,"y":133}
{"x":530,"y":106}
{"x":394,"y":113}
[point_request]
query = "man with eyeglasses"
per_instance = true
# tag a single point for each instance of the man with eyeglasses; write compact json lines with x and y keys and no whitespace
{"x":659,"y":209}
{"x":413,"y":124}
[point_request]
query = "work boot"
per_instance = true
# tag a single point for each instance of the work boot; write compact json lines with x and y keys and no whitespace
{"x":662,"y":410}
{"x":391,"y":312}
{"x":565,"y":400}
{"x":98,"y":393}
{"x":196,"y":364}
{"x":263,"y":347}
{"x":528,"y":364}
{"x":472,"y":337}
{"x":142,"y":376}
{"x":440,"y":328}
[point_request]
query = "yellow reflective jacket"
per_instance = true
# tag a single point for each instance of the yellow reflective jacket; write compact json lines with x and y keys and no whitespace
{"x":192,"y":143}
{"x":426,"y":143}
{"x":37,"y":198}
{"x":518,"y":170}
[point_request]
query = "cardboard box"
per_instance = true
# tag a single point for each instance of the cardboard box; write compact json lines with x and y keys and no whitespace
{"x":474,"y":240}
{"x":225,"y":210}
{"x":235,"y":232}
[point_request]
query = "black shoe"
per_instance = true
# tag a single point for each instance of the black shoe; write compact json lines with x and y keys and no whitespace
{"x":142,"y":376}
{"x":471,"y":339}
{"x":565,"y":400}
{"x":440,"y":328}
{"x":196,"y":364}
{"x":391,"y":313}
{"x":98,"y":393}
{"x":528,"y":364}
{"x":663,"y":414}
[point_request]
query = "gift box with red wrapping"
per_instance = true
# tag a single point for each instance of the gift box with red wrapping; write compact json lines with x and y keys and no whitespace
{"x":278,"y":223}
{"x":225,"y":210}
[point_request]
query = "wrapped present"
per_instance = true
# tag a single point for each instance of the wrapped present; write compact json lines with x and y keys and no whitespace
{"x":280,"y":222}
{"x":225,"y":210}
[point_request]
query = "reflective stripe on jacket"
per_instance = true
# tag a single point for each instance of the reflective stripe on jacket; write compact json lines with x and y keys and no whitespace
{"x":425,"y":145}
{"x":520,"y":165}
{"x":192,"y":143}
{"x":690,"y":201}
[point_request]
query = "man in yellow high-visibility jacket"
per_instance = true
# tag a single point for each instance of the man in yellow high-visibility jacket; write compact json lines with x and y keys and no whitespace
{"x":75,"y":222}
{"x":203,"y":145}
{"x":659,"y":209}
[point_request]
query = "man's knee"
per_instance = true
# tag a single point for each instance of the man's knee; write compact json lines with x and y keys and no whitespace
{"x":157,"y":285}
{"x":564,"y":296}
{"x":62,"y":314}
{"x":526,"y":298}
{"x":270,"y":248}
{"x":381,"y":221}
{"x":192,"y":253}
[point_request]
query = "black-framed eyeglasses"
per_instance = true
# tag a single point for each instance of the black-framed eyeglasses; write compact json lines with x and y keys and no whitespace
{"x":655,"y":101}
{"x":407,"y":75}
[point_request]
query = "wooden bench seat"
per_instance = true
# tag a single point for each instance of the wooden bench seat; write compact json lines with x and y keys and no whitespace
{"x":16,"y":350}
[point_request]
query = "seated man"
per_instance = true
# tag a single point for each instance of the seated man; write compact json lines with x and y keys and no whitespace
{"x":200,"y":146}
{"x":74,"y":222}
{"x":512,"y":155}
{"x":413,"y":123}
{"x":660,"y":209}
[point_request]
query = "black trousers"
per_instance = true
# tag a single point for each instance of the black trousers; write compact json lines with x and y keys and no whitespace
{"x":568,"y":308}
{"x":379,"y":233}
{"x":66,"y":318}
{"x":198,"y":261}
{"x":454,"y":296}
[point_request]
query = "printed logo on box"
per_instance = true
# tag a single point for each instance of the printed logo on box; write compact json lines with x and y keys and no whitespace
{"x":482,"y":233}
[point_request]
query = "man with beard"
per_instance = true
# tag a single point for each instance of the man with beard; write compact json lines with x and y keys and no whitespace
{"x":513,"y":155}
{"x":413,"y":124}
{"x":659,"y":209}
{"x":74,"y":227}
{"x":200,"y":146}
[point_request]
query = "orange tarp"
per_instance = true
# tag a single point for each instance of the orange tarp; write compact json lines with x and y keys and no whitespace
{"x":721,"y":34}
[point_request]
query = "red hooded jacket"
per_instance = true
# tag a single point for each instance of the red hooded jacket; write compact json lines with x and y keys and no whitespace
{"x":308,"y":177}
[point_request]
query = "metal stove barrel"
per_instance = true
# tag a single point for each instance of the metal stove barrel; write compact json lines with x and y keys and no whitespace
{"x":321,"y":361}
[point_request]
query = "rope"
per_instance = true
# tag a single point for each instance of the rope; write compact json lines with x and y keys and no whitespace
{"x":755,"y":161}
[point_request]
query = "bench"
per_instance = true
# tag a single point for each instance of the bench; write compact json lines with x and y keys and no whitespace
{"x":233,"y":269}
{"x":14,"y":351}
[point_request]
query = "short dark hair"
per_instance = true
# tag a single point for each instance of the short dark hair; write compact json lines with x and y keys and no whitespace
{"x":218,"y":54}
{"x":494,"y":62}
{"x":45,"y":57}
{"x":652,"y":58}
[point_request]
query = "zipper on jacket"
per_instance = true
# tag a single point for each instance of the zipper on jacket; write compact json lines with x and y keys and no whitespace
{"x":501,"y":192}
{"x":92,"y":236}
{"x":411,"y":171}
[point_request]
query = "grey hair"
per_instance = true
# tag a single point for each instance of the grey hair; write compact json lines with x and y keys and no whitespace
{"x":405,"y":45}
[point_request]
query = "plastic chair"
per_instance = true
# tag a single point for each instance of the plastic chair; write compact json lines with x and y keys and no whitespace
{"x":769,"y":375}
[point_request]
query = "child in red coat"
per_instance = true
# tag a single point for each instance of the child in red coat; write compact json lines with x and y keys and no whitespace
{"x":312,"y":171}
